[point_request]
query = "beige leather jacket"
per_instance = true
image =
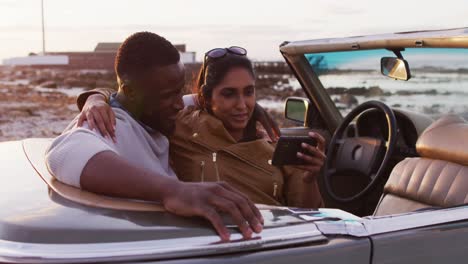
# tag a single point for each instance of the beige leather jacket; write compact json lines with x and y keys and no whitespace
{"x":203,"y":150}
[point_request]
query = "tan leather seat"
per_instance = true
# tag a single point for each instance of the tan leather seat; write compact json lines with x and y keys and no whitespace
{"x":439,"y":178}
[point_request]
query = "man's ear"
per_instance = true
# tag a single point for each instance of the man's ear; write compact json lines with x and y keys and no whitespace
{"x":129,"y":92}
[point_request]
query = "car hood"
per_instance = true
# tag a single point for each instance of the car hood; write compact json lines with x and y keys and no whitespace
{"x":38,"y":225}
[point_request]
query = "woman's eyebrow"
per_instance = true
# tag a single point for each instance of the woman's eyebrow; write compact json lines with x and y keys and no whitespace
{"x":235,"y":88}
{"x":228,"y":88}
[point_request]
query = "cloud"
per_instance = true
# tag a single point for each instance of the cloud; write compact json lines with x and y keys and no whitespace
{"x":340,"y":9}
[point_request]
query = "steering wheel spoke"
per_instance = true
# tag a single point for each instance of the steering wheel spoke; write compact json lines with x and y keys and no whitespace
{"x":340,"y":141}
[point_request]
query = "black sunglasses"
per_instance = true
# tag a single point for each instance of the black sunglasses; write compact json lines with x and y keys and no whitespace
{"x":221,"y":52}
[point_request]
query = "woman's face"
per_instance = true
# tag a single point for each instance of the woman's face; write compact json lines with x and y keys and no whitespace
{"x":233,"y":99}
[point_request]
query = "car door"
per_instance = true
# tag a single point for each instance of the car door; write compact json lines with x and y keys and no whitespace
{"x":438,"y":236}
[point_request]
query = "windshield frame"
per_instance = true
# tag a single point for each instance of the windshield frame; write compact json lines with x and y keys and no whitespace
{"x":295,"y":55}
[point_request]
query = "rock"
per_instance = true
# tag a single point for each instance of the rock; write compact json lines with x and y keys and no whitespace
{"x":431,"y":92}
{"x":336,"y":90}
{"x":73,"y":82}
{"x":348,"y":100}
{"x":105,"y":84}
{"x":299,"y":93}
{"x":426,"y":92}
{"x":374,"y":91}
{"x":357,"y":91}
{"x":48,"y":84}
{"x":431,"y":110}
{"x":89,"y":84}
{"x":39,"y":80}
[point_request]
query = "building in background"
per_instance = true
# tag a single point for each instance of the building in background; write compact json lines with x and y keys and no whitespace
{"x":102,"y":58}
{"x":37,"y":60}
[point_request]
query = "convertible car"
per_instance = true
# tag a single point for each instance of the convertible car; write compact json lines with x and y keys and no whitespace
{"x":395,"y":183}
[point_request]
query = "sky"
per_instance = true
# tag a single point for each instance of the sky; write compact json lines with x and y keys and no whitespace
{"x":258,"y":25}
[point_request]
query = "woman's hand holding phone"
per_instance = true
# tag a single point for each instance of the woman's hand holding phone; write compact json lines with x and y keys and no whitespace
{"x":304,"y":153}
{"x":313,"y":157}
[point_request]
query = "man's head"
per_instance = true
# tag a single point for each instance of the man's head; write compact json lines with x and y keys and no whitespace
{"x":151,"y":78}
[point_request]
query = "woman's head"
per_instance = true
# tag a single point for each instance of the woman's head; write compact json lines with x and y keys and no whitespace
{"x":226,"y":89}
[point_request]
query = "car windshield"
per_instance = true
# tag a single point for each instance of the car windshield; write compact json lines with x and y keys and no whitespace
{"x":438,"y":83}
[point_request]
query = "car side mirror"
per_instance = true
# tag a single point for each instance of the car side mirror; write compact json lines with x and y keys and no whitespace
{"x":296,"y":109}
{"x":395,"y":68}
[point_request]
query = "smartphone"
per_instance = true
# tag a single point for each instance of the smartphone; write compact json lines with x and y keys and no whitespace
{"x":287,"y":147}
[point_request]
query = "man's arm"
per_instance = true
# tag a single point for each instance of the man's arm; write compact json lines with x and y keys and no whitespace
{"x":109,"y":174}
{"x":82,"y":158}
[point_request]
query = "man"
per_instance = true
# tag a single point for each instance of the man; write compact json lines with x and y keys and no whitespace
{"x":151,"y":78}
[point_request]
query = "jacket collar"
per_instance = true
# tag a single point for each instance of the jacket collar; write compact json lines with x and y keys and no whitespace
{"x":211,"y":133}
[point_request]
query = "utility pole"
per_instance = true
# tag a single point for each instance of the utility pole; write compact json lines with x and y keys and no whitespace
{"x":43,"y":31}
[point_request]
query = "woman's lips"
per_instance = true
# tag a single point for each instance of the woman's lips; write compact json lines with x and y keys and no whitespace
{"x":240,"y":117}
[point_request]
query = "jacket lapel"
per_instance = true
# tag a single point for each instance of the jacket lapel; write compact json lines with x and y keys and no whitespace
{"x":211,"y":133}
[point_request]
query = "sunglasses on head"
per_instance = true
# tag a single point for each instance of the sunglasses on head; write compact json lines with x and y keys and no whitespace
{"x":221,"y":52}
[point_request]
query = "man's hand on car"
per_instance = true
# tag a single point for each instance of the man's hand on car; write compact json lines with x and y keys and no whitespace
{"x":208,"y":200}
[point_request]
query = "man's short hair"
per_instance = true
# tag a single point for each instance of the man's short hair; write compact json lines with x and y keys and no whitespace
{"x":142,"y":51}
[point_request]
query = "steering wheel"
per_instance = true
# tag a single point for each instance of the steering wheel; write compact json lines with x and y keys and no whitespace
{"x":366,"y":156}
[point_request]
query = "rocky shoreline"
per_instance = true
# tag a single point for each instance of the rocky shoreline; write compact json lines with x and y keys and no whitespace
{"x":41,"y":102}
{"x":25,"y":112}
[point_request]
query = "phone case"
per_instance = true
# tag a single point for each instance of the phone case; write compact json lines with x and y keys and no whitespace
{"x":287,"y":147}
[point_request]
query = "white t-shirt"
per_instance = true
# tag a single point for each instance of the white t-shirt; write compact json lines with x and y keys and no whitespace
{"x":189,"y":100}
{"x":70,"y":152}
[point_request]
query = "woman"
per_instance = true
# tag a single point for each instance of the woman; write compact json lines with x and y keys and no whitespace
{"x":216,"y":139}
